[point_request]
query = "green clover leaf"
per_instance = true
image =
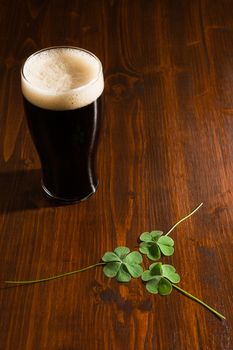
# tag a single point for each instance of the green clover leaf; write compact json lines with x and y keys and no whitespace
{"x":170,"y":273}
{"x":122,"y":264}
{"x":154,"y":243}
{"x":159,"y":278}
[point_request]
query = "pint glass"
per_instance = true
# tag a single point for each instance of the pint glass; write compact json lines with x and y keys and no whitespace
{"x":62,"y":89}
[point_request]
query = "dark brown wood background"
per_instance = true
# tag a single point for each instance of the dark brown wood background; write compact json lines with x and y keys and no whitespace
{"x":166,"y":145}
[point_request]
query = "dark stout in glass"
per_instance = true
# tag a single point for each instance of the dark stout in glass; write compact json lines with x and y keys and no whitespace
{"x":66,"y":143}
{"x":65,"y":139}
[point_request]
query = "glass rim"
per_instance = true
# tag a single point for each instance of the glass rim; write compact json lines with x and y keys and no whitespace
{"x":89,"y":83}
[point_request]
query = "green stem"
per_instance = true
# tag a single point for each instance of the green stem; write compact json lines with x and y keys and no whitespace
{"x":186,"y":217}
{"x":199,"y":301}
{"x":57,"y":276}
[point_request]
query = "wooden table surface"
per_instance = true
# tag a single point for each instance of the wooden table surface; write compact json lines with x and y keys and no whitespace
{"x":166,"y":145}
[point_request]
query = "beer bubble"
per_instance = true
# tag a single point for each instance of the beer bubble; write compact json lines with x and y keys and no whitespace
{"x":62,"y":78}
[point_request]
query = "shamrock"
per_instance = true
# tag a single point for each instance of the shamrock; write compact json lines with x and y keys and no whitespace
{"x":122,"y":264}
{"x":153,"y":243}
{"x":160,"y":278}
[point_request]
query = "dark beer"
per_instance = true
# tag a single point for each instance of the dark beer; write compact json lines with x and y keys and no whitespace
{"x":64,"y":122}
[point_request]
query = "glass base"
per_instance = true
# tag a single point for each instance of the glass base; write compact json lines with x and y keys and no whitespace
{"x":68,"y":200}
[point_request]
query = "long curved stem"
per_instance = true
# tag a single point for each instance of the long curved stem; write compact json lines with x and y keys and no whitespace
{"x":57,"y":276}
{"x":186,"y":217}
{"x":199,"y":301}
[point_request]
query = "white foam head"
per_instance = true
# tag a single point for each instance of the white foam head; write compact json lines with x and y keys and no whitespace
{"x":62,"y":78}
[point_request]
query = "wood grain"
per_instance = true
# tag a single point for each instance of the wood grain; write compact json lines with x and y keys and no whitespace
{"x":166,"y":145}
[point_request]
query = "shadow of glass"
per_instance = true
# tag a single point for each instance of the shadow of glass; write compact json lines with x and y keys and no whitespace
{"x":22,"y":190}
